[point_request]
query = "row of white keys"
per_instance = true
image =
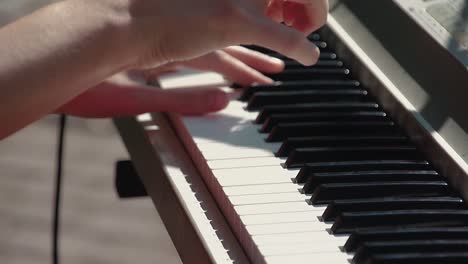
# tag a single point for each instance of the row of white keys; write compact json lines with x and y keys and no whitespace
{"x":272,"y":211}
{"x":269,"y":204}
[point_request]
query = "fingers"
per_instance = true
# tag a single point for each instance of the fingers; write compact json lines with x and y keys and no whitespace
{"x":233,"y":68}
{"x":187,"y":101}
{"x":241,"y":65}
{"x":290,"y":42}
{"x":256,"y":60}
{"x":111,"y":100}
{"x":152,"y":74}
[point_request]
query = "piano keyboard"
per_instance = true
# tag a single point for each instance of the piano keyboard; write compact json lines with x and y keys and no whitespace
{"x":313,"y":169}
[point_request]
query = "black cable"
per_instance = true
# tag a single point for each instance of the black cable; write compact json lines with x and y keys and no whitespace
{"x":58,"y":186}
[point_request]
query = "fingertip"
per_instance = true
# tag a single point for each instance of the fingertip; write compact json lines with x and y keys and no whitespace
{"x":218,"y":100}
{"x":311,"y":57}
{"x":256,"y":78}
{"x":277,"y":63}
{"x":264,"y":80}
{"x":283,"y":39}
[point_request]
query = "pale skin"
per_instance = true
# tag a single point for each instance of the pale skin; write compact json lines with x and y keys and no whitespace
{"x":73,"y":56}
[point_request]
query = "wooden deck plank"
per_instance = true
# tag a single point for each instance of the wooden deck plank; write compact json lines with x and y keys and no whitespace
{"x":97,"y":226}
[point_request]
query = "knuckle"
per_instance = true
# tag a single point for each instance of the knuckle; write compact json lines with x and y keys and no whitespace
{"x":220,"y":56}
{"x":225,"y":11}
{"x":221,"y":59}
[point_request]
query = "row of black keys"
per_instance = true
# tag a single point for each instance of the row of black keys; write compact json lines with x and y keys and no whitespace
{"x":378,"y":187}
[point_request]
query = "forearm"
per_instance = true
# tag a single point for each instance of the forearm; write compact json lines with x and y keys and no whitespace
{"x":54,"y":54}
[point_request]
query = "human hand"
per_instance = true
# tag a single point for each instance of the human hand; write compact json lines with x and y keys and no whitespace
{"x":128,"y":93}
{"x":238,"y":64}
{"x":177,"y":30}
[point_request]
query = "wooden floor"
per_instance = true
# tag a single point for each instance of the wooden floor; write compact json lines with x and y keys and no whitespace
{"x":97,"y":226}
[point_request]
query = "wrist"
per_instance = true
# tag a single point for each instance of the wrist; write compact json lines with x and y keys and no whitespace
{"x":113,"y":30}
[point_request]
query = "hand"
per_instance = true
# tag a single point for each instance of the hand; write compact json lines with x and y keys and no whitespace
{"x":177,"y":30}
{"x":127,"y":93}
{"x":74,"y":44}
{"x":238,"y":64}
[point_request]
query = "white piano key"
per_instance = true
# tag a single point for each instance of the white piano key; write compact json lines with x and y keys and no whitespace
{"x":271,"y":210}
{"x":290,"y":249}
{"x":266,"y":198}
{"x":289,"y":217}
{"x":220,"y":127}
{"x":286,"y":228}
{"x":299,"y":206}
{"x":254,"y":175}
{"x":188,"y":78}
{"x":299,"y":238}
{"x":260,"y":189}
{"x":318,"y":258}
{"x":229,"y":180}
{"x":209,"y":131}
{"x":244,"y":162}
{"x":218,"y":152}
{"x":236,"y":109}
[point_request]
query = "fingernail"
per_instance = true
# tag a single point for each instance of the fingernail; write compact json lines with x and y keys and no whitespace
{"x":268,"y":80}
{"x":261,"y":79}
{"x":276,"y":61}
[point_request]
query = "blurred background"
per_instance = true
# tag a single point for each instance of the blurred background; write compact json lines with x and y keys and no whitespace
{"x":97,"y":227}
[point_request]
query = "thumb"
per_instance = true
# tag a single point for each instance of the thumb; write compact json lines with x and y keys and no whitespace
{"x":188,"y":101}
{"x":288,"y":41}
{"x":111,"y":100}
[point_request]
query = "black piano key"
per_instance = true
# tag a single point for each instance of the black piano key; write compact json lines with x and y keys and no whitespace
{"x":291,"y":64}
{"x":367,"y":176}
{"x":300,"y":156}
{"x":299,"y":86}
{"x":260,"y":99}
{"x":258,"y":48}
{"x":360,"y":236}
{"x":325,"y":52}
{"x":283,"y":131}
{"x":262,"y":49}
{"x":328,"y":56}
{"x":383,"y":253}
{"x":367,"y":249}
{"x":359,"y":165}
{"x":323,"y":116}
{"x":325,"y":193}
{"x":314,"y":107}
{"x":418,"y":258}
{"x":311,"y":74}
{"x":314,"y":36}
{"x":346,"y":222}
{"x":339,"y":141}
{"x":390,"y":203}
{"x":322,"y":45}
